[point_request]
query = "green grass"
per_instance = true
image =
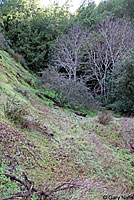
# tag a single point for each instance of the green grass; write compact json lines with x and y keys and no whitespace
{"x":93,"y":155}
{"x":7,"y":187}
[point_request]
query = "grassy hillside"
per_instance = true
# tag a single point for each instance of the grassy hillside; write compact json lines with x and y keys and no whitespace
{"x":66,"y":156}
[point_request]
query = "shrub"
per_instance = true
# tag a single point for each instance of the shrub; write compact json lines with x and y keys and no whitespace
{"x":104,"y":118}
{"x":128,"y":130}
{"x":14,"y":110}
{"x":17,"y":57}
{"x":31,"y":123}
{"x":74,"y":94}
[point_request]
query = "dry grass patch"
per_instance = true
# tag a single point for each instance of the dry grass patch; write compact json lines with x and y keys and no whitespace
{"x":105,"y":118}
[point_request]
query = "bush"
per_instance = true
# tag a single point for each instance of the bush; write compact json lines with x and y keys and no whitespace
{"x":17,"y":57}
{"x":104,"y":118}
{"x":128,"y":133}
{"x":74,"y":94}
{"x":14,"y":110}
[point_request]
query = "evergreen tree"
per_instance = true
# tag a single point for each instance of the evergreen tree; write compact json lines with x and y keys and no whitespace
{"x":123,"y":97}
{"x":33,"y":30}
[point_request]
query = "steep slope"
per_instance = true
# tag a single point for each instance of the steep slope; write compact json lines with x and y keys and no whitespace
{"x":66,"y":156}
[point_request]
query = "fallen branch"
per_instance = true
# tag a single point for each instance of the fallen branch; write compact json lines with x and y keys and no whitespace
{"x":45,"y":131}
{"x":26,"y":177}
{"x":29,"y":192}
{"x":40,"y":94}
{"x":44,"y":194}
{"x":56,"y":102}
{"x":30,"y":188}
{"x":60,"y":187}
{"x":51,"y":98}
{"x":59,"y":105}
{"x":81,"y":114}
{"x":14,"y":196}
{"x":12,"y":177}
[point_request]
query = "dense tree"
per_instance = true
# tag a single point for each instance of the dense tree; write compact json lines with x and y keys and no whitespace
{"x":86,"y":14}
{"x":110,"y":8}
{"x":128,"y":9}
{"x":123,"y":96}
{"x":33,"y":30}
{"x":116,"y":8}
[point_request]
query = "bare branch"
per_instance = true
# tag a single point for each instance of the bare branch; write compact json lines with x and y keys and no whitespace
{"x":106,"y":47}
{"x":67,"y":52}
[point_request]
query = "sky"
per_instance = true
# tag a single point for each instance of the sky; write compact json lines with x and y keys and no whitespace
{"x":74,"y":3}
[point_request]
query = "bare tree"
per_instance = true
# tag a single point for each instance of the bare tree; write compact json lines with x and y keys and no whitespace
{"x":98,"y":51}
{"x":106,"y":47}
{"x":68,"y":52}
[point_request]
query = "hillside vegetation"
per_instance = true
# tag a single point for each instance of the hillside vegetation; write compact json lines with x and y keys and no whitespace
{"x":66,"y":100}
{"x":84,"y":57}
{"x":54,"y":152}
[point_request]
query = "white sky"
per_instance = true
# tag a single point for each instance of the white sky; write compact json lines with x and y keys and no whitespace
{"x":74,"y":3}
